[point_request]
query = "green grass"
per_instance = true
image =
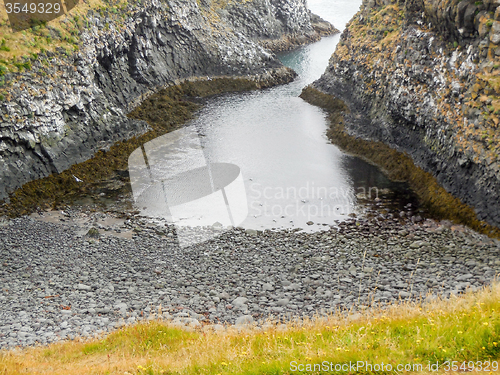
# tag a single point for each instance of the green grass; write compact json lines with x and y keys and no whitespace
{"x":3,"y":46}
{"x":461,"y":329}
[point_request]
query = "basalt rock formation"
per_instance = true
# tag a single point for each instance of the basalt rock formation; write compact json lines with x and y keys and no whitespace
{"x":277,"y":25}
{"x":422,"y":76}
{"x":67,"y":105}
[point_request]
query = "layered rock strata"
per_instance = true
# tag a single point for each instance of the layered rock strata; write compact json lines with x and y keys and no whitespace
{"x":422,"y":77}
{"x":70,"y":105}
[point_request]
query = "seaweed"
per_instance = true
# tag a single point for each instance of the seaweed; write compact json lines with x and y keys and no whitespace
{"x":397,"y":166}
{"x":164,"y":111}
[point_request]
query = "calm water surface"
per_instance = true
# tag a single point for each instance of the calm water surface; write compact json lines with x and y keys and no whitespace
{"x":293,"y":176}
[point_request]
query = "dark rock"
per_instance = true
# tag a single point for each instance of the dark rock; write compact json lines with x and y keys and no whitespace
{"x":393,"y":98}
{"x":62,"y":113}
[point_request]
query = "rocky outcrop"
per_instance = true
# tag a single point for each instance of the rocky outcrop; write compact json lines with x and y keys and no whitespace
{"x":422,"y":77}
{"x":69,"y":105}
{"x":277,"y":25}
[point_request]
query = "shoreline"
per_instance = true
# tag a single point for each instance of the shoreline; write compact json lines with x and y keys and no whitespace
{"x":51,"y":294}
{"x":397,"y":165}
{"x":178,"y":106}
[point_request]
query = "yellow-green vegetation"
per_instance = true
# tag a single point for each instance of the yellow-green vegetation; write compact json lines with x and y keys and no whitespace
{"x":484,"y":96}
{"x":164,"y":111}
{"x":397,"y":166}
{"x":463,"y":329}
{"x":61,"y":35}
{"x":18,"y":49}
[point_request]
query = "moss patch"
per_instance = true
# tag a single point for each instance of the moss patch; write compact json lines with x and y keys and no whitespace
{"x":398,"y":166}
{"x":164,"y":111}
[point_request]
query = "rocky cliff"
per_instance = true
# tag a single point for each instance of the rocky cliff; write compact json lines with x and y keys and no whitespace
{"x":68,"y":105}
{"x":423,"y":77}
{"x":276,"y":25}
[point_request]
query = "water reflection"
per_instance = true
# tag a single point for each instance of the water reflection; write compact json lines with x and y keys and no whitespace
{"x":293,"y":177}
{"x":172,"y":180}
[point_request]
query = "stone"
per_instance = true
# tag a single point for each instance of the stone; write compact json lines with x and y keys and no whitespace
{"x":495,"y":33}
{"x":244,"y":320}
{"x":240,"y":301}
{"x":484,"y":23}
{"x":456,"y":87}
{"x":120,"y":306}
{"x":93,"y":233}
{"x":346,"y":280}
{"x":294,"y":286}
{"x":84,"y":287}
{"x":283,"y":302}
{"x":418,"y":244}
{"x":267,"y":287}
{"x":224,"y":296}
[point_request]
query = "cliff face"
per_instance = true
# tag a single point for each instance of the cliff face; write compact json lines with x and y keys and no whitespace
{"x":276,"y":25}
{"x":423,"y":77}
{"x":68,"y":106}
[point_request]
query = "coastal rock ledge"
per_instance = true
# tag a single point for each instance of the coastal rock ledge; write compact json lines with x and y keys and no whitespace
{"x":422,"y":77}
{"x":69,"y":105}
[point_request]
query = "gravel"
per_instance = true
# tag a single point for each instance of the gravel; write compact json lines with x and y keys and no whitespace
{"x":59,"y":283}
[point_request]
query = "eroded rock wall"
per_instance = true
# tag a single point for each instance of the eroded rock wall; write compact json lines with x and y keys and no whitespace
{"x":66,"y":107}
{"x":277,"y":25}
{"x":423,"y":77}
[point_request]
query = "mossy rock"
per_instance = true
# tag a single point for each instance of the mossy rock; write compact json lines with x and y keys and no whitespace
{"x":397,"y":166}
{"x":165,"y":111}
{"x":93,"y":233}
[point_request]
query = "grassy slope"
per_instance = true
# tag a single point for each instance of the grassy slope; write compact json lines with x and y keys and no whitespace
{"x":61,"y":32}
{"x":17,"y":48}
{"x":379,"y":34}
{"x":62,"y":35}
{"x":460,"y":329}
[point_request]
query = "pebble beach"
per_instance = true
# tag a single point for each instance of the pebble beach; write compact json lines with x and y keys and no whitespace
{"x":62,"y":280}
